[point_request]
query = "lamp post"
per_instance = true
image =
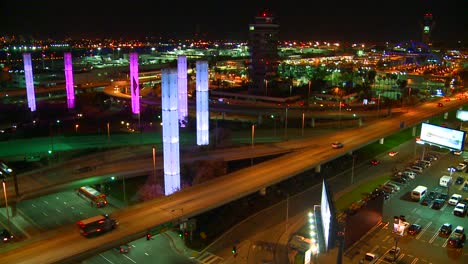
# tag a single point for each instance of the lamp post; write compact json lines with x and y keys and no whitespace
{"x":339,"y":116}
{"x":108,"y":131}
{"x":266,"y":87}
{"x":303,"y":119}
{"x":154,"y":162}
{"x":6,"y":204}
{"x":253,"y":135}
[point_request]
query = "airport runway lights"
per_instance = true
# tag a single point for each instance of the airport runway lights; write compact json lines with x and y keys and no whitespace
{"x":28,"y":76}
{"x":182,"y":88}
{"x":170,"y":130}
{"x":134,"y":85}
{"x":202,"y":103}
{"x":69,"y":86}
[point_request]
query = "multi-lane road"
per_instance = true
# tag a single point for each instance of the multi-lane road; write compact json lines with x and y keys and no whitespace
{"x":135,"y":220}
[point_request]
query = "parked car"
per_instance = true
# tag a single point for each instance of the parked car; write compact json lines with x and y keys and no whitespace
{"x":445,"y":229}
{"x":460,"y":209}
{"x":443,"y":196}
{"x":414,"y":229}
{"x":459,"y":180}
{"x":461,"y":166}
{"x":455,"y":199}
{"x":400,"y":180}
{"x":465,"y":187}
{"x":433,"y":195}
{"x":426,"y":201}
{"x":392,"y":254}
{"x":438,"y":204}
{"x":123,"y":248}
{"x":457,"y":238}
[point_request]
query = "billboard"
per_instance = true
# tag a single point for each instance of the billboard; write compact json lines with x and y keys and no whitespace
{"x":442,"y":136}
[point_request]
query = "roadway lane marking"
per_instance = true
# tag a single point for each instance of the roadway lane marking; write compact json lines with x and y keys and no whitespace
{"x":46,"y":202}
{"x":129,"y":258}
{"x":424,"y":230}
{"x":56,"y":197}
{"x":399,"y":258}
{"x":385,"y":239}
{"x":73,"y":208}
{"x":44,"y":213}
{"x":33,"y":206}
{"x":105,"y":258}
{"x":445,"y":243}
{"x":436,"y":234}
{"x":146,"y":254}
{"x":414,"y":261}
{"x":58,"y":210}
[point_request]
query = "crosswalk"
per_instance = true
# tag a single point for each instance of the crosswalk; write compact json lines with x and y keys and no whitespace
{"x":209,"y":258}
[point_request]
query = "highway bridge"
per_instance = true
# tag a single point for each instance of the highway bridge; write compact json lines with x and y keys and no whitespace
{"x":134,"y":221}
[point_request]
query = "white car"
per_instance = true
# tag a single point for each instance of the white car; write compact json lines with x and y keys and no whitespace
{"x":455,"y":199}
{"x":337,"y":145}
{"x":461,"y":166}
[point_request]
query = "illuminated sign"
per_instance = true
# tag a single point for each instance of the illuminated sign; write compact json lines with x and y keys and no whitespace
{"x":325,"y":213}
{"x":442,"y":136}
{"x":462,"y":115}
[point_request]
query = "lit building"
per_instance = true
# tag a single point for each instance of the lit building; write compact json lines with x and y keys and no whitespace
{"x":427,"y":26}
{"x":263,"y":41}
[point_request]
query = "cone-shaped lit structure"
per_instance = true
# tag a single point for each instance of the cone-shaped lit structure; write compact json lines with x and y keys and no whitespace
{"x":134,"y":85}
{"x":202,"y":103}
{"x":28,"y":77}
{"x":182,"y":85}
{"x":170,"y":130}
{"x":67,"y":60}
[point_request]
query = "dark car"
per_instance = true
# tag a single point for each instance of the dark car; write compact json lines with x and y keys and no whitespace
{"x":437,"y":204}
{"x":443,"y":196}
{"x":5,"y":236}
{"x":445,"y":229}
{"x":123,"y":248}
{"x":433,"y":195}
{"x":465,"y":187}
{"x":414,"y":229}
{"x":400,"y":180}
{"x":459,"y":180}
{"x":375,"y":162}
{"x":427,"y":201}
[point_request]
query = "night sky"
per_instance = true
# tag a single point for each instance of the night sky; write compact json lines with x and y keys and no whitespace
{"x":327,"y":20}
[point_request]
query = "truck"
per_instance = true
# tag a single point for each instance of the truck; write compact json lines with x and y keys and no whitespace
{"x":96,"y":225}
{"x":445,"y":181}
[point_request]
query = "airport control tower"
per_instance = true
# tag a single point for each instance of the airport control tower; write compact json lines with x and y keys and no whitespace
{"x":263,"y":41}
{"x":427,"y":27}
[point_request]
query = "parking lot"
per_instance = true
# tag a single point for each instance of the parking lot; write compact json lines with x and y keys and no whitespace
{"x":427,"y":246}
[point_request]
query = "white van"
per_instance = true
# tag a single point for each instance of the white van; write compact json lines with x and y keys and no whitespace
{"x":445,"y":181}
{"x":419,"y":193}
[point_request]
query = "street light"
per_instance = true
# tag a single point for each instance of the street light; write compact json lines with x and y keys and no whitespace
{"x":303,"y":119}
{"x":266,"y":86}
{"x":253,"y":134}
{"x":154,"y":161}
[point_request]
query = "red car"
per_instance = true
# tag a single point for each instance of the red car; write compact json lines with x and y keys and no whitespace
{"x":374,"y":162}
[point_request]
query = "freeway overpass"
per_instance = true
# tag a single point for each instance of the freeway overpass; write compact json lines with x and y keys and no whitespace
{"x":134,"y":221}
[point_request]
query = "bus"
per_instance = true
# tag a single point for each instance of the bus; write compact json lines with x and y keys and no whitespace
{"x":93,"y":196}
{"x":96,"y":225}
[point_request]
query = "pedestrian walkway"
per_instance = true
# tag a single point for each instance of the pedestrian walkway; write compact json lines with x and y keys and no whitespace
{"x":209,"y":258}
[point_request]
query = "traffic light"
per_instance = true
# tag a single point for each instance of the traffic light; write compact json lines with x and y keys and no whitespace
{"x":148,"y":236}
{"x":180,"y":233}
{"x":186,"y":234}
{"x":234,"y":250}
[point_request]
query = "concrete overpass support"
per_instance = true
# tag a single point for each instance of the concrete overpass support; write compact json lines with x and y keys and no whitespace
{"x":318,"y":168}
{"x":360,"y":122}
{"x":446,"y":116}
{"x":413,"y":131}
{"x":381,"y":141}
{"x":312,"y":122}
